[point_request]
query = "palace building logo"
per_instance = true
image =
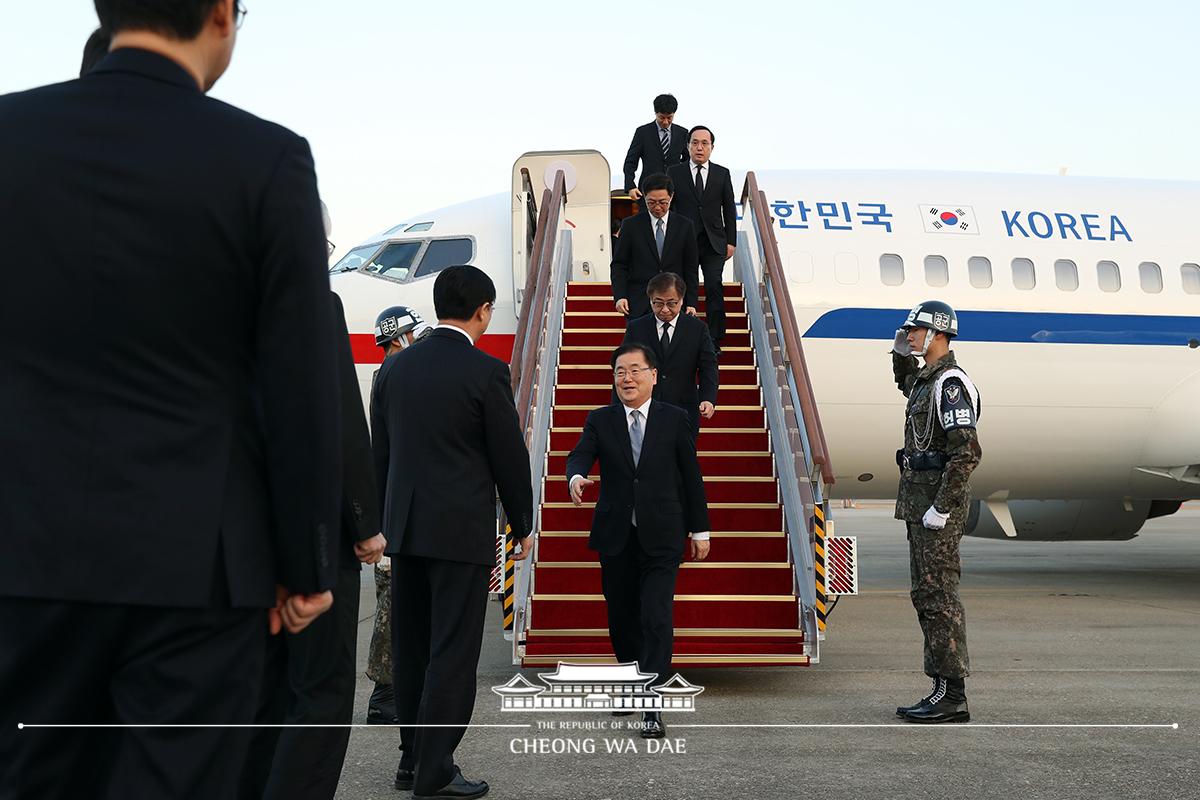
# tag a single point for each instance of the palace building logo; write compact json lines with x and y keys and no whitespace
{"x":597,"y":687}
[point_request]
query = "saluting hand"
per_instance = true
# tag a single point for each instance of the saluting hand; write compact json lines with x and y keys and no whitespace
{"x":577,"y":487}
{"x":296,"y":611}
{"x":707,"y":410}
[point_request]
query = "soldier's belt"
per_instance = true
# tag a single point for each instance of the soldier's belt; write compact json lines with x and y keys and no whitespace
{"x":920,"y":461}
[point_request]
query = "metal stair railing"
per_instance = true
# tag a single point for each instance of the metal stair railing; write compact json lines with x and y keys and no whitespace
{"x":801,"y":454}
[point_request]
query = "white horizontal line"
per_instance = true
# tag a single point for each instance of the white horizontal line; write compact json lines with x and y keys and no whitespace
{"x":1171,"y":725}
{"x":26,"y":726}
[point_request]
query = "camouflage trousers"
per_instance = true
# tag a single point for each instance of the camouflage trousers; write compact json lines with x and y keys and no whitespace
{"x":935,"y":571}
{"x":379,"y":656}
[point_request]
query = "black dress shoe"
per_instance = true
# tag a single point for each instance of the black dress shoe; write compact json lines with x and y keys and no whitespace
{"x":652,"y":725}
{"x":458,"y":787}
{"x":937,"y":687}
{"x":404,"y":779}
{"x":381,"y":708}
{"x":945,"y":710}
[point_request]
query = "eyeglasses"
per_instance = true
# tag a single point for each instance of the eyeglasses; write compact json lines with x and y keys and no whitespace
{"x":239,"y":13}
{"x":658,"y":203}
{"x":636,"y":372}
{"x":701,"y":145}
{"x":665,"y":303}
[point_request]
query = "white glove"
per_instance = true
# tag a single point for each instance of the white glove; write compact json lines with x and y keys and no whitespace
{"x":901,"y":347}
{"x":934,"y":519}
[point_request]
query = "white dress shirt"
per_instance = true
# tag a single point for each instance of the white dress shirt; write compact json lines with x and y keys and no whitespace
{"x":654,"y":224}
{"x":701,"y":536}
{"x":449,"y":327}
{"x":670,"y":328}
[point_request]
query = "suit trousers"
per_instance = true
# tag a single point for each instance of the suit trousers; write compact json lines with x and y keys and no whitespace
{"x":438,"y":611}
{"x":712,"y":265}
{"x":308,"y":680}
{"x":639,"y":590}
{"x":69,"y":662}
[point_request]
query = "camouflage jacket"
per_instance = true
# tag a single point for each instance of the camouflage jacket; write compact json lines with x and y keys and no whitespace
{"x":943,"y":408}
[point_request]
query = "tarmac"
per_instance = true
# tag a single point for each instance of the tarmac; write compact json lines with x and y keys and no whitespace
{"x":1089,"y":637}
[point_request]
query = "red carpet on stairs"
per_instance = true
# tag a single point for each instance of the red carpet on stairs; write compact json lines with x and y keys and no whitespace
{"x":738,"y":607}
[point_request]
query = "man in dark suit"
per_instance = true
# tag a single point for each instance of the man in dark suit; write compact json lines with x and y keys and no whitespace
{"x":446,"y":436}
{"x":705,"y":196}
{"x":658,"y":144}
{"x":651,"y":498}
{"x":170,"y":491}
{"x":652,"y":243}
{"x":682,"y":348}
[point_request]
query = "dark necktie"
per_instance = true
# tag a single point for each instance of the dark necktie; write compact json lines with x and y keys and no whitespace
{"x":699,"y":181}
{"x":665,"y":139}
{"x":666,"y":338}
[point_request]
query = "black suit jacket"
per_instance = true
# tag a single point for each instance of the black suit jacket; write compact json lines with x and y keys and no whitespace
{"x":715,"y":214}
{"x":647,"y":147}
{"x":636,"y":259}
{"x":360,"y":501}
{"x":168,"y":391}
{"x":446,"y":437}
{"x":690,"y":358}
{"x":665,"y":487}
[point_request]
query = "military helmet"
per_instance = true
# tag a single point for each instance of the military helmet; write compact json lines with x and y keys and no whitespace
{"x":933,"y":315}
{"x":394,"y":322}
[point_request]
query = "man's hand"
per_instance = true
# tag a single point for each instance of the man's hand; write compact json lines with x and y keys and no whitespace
{"x":296,"y":611}
{"x":901,"y":346}
{"x":577,"y":486}
{"x":623,"y":306}
{"x":369,"y":551}
{"x":699,"y":549}
{"x":634,"y":194}
{"x":707,"y":410}
{"x":934,"y":520}
{"x":729,"y":251}
{"x":526,"y":546}
{"x":691,"y":311}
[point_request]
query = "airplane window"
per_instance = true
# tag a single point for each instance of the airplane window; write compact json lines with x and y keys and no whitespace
{"x":1109,"y":276}
{"x":937,"y":271}
{"x":891,"y":269}
{"x":1066,"y":276}
{"x":1024,"y":276}
{"x":418,"y":227}
{"x":979,"y":269}
{"x":845,"y":268}
{"x":355,"y":258}
{"x":444,"y":253}
{"x":1151,"y":277}
{"x":1191,"y":278}
{"x":396,"y":229}
{"x":395,"y":261}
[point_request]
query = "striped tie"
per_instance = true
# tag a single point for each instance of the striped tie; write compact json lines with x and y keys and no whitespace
{"x":665,"y":137}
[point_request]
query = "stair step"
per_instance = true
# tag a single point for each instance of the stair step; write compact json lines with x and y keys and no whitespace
{"x":721,"y":516}
{"x":595,"y":374}
{"x":596,"y":289}
{"x":725,"y":489}
{"x":616,"y":320}
{"x":710,"y":438}
{"x":694,"y":661}
{"x":601,"y":395}
{"x":727,"y":546}
{"x":584,"y":304}
{"x":731,"y":356}
{"x":603,"y":647}
{"x":740,"y":577}
{"x":726,"y":417}
{"x":748,"y":611}
{"x":712,"y":465}
{"x":612,"y":337}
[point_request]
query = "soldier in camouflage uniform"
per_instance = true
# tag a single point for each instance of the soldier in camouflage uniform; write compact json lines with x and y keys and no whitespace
{"x":941,"y":449}
{"x":396,"y":328}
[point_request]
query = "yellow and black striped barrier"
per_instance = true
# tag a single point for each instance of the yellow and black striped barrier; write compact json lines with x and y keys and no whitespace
{"x":510,"y":569}
{"x":819,"y":535}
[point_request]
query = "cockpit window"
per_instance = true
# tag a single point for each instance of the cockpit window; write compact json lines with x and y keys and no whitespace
{"x":355,"y":258}
{"x":395,"y":261}
{"x":444,"y":253}
{"x":418,"y":227}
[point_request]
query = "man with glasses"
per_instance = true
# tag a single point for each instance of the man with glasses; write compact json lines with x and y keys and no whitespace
{"x":682,"y":346}
{"x":706,"y":198}
{"x":651,"y":499}
{"x":185,"y":469}
{"x":652,"y":243}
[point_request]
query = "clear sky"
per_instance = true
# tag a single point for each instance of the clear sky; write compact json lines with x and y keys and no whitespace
{"x":414,"y":105}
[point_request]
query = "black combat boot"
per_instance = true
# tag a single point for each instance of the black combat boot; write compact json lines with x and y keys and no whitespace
{"x":381,"y":710}
{"x":939,"y":685}
{"x":949,"y":705}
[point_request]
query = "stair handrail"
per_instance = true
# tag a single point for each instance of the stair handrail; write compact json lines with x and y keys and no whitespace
{"x":531,"y":215}
{"x":517,"y":364}
{"x":755,"y":208}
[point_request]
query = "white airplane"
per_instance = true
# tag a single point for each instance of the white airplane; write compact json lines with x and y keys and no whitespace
{"x":1078,"y":302}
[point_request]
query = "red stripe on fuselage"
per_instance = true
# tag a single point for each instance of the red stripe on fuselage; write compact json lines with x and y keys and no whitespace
{"x":366,"y":351}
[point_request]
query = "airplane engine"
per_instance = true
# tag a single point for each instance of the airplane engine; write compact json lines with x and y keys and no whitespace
{"x":1069,"y":520}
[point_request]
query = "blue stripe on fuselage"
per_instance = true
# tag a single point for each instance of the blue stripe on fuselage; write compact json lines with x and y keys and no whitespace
{"x":1016,"y":327}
